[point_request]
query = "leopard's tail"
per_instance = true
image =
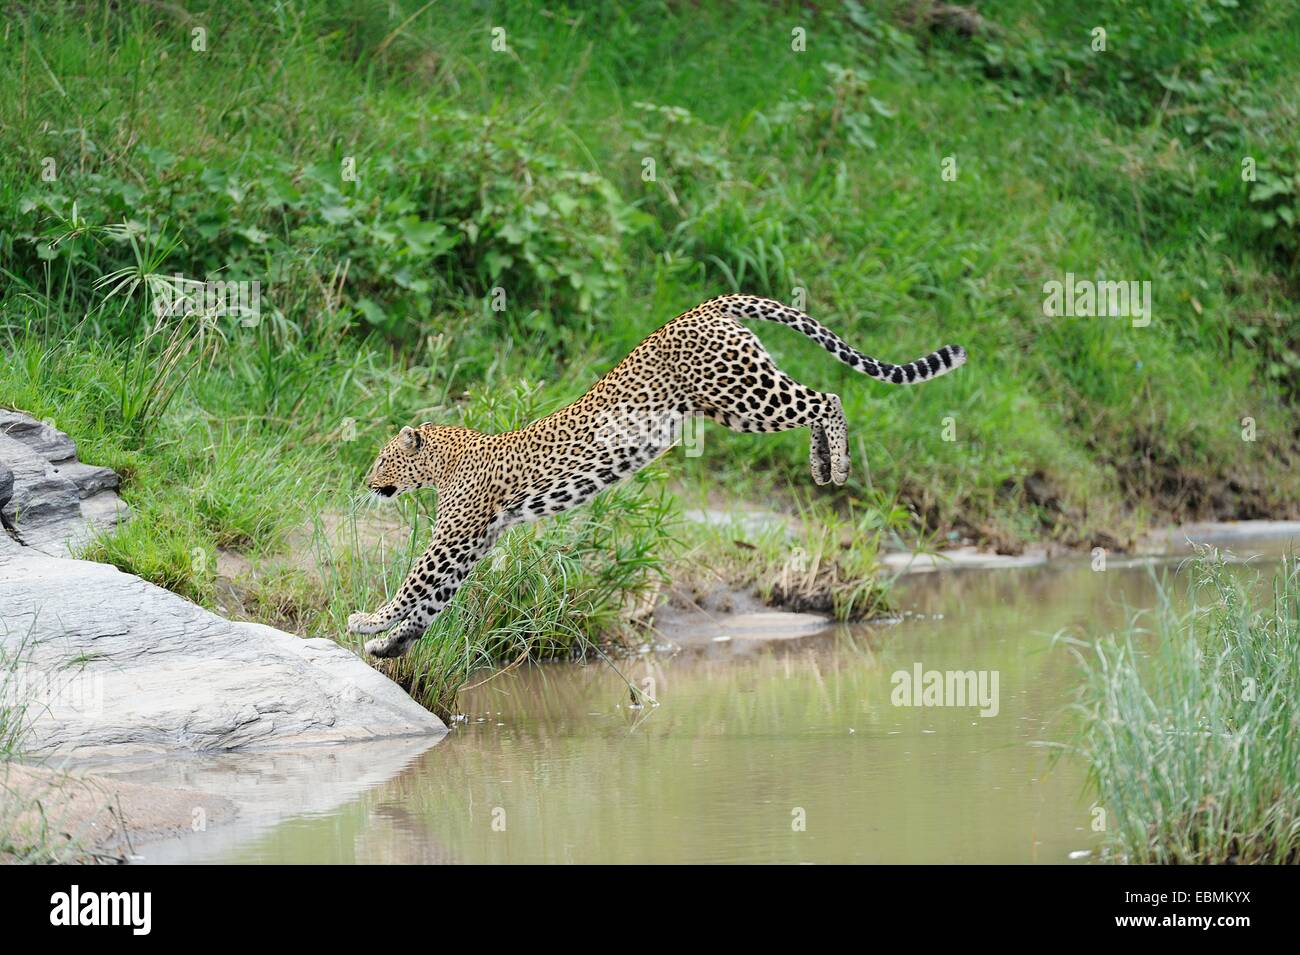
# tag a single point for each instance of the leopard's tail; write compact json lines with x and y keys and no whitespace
{"x":937,"y":363}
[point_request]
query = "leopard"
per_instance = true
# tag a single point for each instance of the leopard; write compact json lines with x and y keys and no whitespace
{"x":703,"y":365}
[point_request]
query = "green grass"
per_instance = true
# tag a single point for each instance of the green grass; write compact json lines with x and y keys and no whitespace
{"x":819,"y":560}
{"x":521,"y":173}
{"x":1193,"y":739}
{"x":14,"y":700}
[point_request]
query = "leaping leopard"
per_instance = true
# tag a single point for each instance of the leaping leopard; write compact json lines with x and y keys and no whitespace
{"x":702,"y":362}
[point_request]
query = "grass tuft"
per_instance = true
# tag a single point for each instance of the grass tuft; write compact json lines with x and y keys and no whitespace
{"x":1191,"y":729}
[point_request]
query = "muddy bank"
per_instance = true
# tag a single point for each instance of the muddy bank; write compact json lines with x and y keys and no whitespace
{"x":697,"y":612}
{"x":1262,"y":536}
{"x":79,"y":817}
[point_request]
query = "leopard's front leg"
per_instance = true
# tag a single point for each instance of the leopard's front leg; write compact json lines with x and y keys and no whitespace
{"x":429,"y":587}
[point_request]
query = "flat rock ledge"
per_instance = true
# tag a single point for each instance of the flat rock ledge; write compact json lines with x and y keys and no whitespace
{"x":109,"y":665}
{"x":112,"y":665}
{"x":723,"y":616}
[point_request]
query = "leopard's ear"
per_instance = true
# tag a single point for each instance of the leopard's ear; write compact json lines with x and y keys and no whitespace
{"x":410,"y":439}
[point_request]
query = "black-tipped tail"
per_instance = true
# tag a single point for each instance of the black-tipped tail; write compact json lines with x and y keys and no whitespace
{"x":933,"y":365}
{"x":937,"y":363}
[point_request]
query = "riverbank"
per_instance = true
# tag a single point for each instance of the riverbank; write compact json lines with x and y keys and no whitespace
{"x":493,"y":257}
{"x":232,"y":288}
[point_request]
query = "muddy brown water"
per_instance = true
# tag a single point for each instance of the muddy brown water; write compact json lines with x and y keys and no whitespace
{"x":790,"y":751}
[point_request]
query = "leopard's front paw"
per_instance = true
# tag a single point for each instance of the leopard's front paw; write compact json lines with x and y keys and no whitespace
{"x":385,"y":647}
{"x":397,"y":642}
{"x":360,"y":622}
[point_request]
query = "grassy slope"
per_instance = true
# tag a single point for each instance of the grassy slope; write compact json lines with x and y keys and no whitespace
{"x":523,"y":170}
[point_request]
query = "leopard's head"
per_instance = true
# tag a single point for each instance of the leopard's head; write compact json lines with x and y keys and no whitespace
{"x":408,"y":462}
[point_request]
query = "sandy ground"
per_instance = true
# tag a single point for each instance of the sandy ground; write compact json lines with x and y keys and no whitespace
{"x":86,"y":818}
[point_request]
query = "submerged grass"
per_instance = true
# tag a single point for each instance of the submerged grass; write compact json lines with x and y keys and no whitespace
{"x":1191,"y":731}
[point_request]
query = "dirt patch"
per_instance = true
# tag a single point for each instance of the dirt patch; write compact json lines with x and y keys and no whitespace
{"x":1151,"y":473}
{"x":366,"y":531}
{"x":964,"y":21}
{"x":1152,"y":485}
{"x":281,"y":588}
{"x":78,"y":818}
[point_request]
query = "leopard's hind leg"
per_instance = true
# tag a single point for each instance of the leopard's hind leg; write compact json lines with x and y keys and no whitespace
{"x":762,"y":398}
{"x":819,"y":453}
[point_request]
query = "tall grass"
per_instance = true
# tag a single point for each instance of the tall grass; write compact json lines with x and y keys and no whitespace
{"x":1192,"y":731}
{"x":14,"y":703}
{"x":818,"y":170}
{"x":25,"y":833}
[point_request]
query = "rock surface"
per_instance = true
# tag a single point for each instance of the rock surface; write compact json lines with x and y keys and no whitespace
{"x":87,"y":818}
{"x":1246,"y":536}
{"x":115,"y":666}
{"x":267,"y":787}
{"x":961,"y":558}
{"x":49,"y":500}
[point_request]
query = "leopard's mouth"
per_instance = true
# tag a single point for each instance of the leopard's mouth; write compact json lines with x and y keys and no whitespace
{"x":385,"y":491}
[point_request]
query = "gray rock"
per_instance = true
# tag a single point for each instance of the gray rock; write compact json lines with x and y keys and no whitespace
{"x":42,"y":501}
{"x":49,"y":442}
{"x":114,"y":666}
{"x":89,"y":479}
{"x":55,"y":503}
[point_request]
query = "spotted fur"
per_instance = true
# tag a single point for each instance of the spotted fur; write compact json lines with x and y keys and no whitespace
{"x":702,"y":362}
